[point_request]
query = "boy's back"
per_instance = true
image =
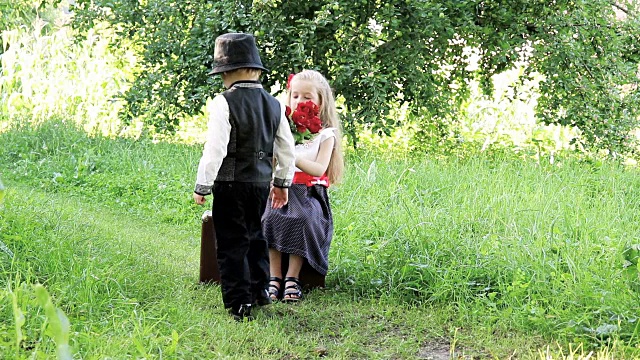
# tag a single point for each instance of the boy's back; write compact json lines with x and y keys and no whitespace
{"x":255,"y":118}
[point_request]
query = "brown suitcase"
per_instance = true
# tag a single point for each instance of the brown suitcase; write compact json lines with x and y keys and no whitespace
{"x":209,"y":272}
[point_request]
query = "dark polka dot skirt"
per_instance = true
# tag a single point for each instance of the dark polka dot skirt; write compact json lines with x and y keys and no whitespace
{"x":303,"y":227}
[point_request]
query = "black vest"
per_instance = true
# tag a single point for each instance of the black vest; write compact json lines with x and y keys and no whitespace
{"x":254,"y":116}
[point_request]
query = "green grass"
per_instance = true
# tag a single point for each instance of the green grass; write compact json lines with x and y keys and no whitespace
{"x":484,"y":257}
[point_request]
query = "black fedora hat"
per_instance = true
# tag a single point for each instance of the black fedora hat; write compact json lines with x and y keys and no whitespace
{"x":235,"y":51}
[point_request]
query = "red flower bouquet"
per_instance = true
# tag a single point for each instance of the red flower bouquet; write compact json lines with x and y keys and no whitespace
{"x":304,"y":121}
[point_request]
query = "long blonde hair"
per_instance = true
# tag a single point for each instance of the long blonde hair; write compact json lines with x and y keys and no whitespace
{"x":329,"y":116}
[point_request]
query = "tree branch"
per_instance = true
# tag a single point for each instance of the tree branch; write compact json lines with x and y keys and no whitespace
{"x":619,"y":7}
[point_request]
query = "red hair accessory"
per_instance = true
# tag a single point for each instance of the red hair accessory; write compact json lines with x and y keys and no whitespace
{"x":289,"y":80}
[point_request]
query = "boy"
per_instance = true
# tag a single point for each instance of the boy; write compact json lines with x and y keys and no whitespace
{"x":247,"y":127}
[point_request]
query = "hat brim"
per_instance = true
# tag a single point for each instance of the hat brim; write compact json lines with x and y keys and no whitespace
{"x":229,"y":67}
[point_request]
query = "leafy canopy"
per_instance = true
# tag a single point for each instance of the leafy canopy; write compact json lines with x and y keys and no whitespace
{"x":378,"y":54}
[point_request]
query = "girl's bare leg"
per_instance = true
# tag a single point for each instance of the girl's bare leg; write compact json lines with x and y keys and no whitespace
{"x":275,"y":270}
{"x":293,"y":289}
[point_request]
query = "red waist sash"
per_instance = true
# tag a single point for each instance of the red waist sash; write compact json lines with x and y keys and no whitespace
{"x":306,"y":179}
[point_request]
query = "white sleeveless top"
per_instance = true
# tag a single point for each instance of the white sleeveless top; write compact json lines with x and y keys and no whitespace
{"x":309,"y":150}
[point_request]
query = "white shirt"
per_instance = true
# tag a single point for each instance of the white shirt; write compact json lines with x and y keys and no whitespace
{"x":309,"y":150}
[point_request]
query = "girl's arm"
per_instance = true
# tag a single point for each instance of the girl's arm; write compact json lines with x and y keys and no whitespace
{"x":319,"y":166}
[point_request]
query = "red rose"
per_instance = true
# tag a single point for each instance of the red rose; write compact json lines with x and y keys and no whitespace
{"x":300,"y":120}
{"x":309,"y":108}
{"x":315,"y":125}
{"x":287,"y":111}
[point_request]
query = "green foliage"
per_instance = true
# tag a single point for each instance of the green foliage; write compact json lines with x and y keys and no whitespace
{"x":45,"y":73}
{"x":495,"y":232}
{"x":631,"y":266}
{"x":58,"y":323}
{"x":377,"y":54}
{"x":34,"y":317}
{"x":70,"y":160}
{"x":502,"y":122}
{"x":16,"y":13}
{"x":591,"y":64}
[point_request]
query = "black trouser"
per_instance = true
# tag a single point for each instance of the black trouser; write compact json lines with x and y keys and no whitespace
{"x":243,"y":255}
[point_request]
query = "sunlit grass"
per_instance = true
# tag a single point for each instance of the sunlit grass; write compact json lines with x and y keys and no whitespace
{"x":486,"y":255}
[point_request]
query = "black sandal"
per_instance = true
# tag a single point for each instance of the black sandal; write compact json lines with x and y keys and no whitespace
{"x":274,"y":291}
{"x":292,"y":293}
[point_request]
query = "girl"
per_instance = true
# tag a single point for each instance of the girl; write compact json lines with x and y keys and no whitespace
{"x":304,"y":228}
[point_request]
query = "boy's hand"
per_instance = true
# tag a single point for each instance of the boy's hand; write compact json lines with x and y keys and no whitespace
{"x":199,"y":199}
{"x":279,"y":197}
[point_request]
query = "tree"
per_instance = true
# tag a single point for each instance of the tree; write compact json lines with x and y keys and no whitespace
{"x":379,"y":53}
{"x":15,"y":13}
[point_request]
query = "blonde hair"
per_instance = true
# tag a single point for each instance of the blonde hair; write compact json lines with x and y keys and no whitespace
{"x":329,"y":116}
